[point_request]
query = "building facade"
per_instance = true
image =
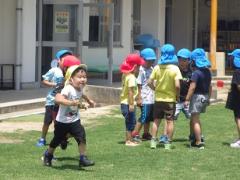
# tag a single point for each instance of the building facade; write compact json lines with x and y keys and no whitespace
{"x":32,"y":31}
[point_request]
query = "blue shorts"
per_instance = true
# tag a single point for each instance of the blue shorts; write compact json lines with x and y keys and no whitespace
{"x":146,"y":113}
{"x":130,"y":117}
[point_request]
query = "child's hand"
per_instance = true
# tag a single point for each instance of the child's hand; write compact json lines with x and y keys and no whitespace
{"x":75,"y":103}
{"x":131,"y":108}
{"x":186,"y":103}
{"x":91,"y":103}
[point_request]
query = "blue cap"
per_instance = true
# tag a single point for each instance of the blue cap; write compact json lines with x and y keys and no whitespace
{"x":148,"y":54}
{"x":168,"y":55}
{"x":199,"y":57}
{"x":184,"y":53}
{"x":236,"y":55}
{"x":62,"y":52}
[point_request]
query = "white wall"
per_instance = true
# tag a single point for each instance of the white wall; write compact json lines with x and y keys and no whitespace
{"x":182,"y":24}
{"x":153,"y":18}
{"x":29,"y":41}
{"x":7,"y":31}
{"x":98,"y":56}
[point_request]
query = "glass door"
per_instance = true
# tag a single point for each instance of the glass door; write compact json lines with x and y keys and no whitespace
{"x":59,"y":27}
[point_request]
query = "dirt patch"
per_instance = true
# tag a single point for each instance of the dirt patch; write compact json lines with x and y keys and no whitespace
{"x":87,"y":118}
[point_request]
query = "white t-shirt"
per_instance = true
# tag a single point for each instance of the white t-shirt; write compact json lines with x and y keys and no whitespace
{"x":146,"y":92}
{"x":69,"y":114}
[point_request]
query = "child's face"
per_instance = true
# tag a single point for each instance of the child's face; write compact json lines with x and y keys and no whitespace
{"x":148,"y":63}
{"x":183,"y":63}
{"x":79,"y":80}
{"x":136,"y":70}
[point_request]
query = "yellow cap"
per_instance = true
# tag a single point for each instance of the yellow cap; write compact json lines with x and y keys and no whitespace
{"x":71,"y":70}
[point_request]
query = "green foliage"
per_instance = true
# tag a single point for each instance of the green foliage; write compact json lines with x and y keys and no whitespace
{"x":116,"y":161}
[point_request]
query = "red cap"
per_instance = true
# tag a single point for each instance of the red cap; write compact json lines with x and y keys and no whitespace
{"x":70,"y":60}
{"x":130,"y":62}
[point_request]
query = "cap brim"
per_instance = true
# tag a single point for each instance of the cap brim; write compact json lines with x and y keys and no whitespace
{"x":126,"y":69}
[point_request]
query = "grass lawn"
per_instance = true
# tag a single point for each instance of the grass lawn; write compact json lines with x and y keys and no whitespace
{"x":116,"y":161}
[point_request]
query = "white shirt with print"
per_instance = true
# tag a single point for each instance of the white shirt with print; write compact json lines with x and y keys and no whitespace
{"x":146,"y":92}
{"x":69,"y":114}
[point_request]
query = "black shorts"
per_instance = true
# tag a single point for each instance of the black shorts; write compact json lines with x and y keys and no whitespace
{"x":62,"y":129}
{"x":164,"y":109}
{"x":50,"y":114}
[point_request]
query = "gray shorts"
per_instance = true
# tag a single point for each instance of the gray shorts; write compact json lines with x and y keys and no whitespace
{"x":198,"y":103}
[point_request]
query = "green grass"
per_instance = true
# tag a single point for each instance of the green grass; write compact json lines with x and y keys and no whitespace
{"x":116,"y":161}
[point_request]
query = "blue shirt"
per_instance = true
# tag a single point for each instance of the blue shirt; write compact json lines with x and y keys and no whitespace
{"x":54,"y":75}
{"x":202,"y":77}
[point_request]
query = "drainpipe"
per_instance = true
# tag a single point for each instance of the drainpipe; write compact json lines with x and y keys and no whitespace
{"x":213,"y":35}
{"x":18,"y":66}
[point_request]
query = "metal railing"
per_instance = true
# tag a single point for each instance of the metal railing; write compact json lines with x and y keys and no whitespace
{"x":7,"y":76}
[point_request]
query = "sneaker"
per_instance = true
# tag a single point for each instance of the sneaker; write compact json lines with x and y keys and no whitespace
{"x":235,"y":144}
{"x":47,"y":159}
{"x":41,"y":142}
{"x":191,"y":138}
{"x":153,"y":144}
{"x":64,"y":144}
{"x":199,"y":146}
{"x":85,"y":162}
{"x":137,"y":139}
{"x":146,"y":136}
{"x":163,"y":139}
{"x":131,"y":143}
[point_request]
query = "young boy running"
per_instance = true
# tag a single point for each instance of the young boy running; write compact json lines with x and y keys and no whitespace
{"x":199,"y":93}
{"x":68,"y":117}
{"x":130,"y":69}
{"x":165,"y":80}
{"x":146,"y":95}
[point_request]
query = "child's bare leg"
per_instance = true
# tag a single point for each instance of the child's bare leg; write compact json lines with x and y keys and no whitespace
{"x":196,"y":127}
{"x":169,"y":125}
{"x":137,"y":128}
{"x":82,"y":148}
{"x":155,"y":127}
{"x":146,"y":127}
{"x":237,"y":120}
{"x":44,"y":130}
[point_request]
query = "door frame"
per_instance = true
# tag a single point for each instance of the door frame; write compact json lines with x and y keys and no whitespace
{"x":70,"y":44}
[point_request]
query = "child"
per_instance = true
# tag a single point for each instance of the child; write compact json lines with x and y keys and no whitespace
{"x":54,"y":77}
{"x":165,"y":80}
{"x":130,"y":69}
{"x":68,"y":117}
{"x":184,"y":59}
{"x":234,"y":103}
{"x":199,"y":93}
{"x":145,"y":97}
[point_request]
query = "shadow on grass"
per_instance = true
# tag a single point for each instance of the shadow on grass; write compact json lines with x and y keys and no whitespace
{"x":72,"y":167}
{"x":180,"y":140}
{"x":225,"y":143}
{"x":67,"y":158}
{"x":121,"y":142}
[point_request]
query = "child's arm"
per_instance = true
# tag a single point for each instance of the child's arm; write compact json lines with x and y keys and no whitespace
{"x":89,"y":101}
{"x":48,"y":83}
{"x":190,"y":92}
{"x":61,"y":99}
{"x":150,"y":84}
{"x":177,"y":86}
{"x":139,"y":97}
{"x":131,"y":99}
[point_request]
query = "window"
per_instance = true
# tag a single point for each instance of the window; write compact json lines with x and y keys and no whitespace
{"x":136,"y":18}
{"x":98,"y":23}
